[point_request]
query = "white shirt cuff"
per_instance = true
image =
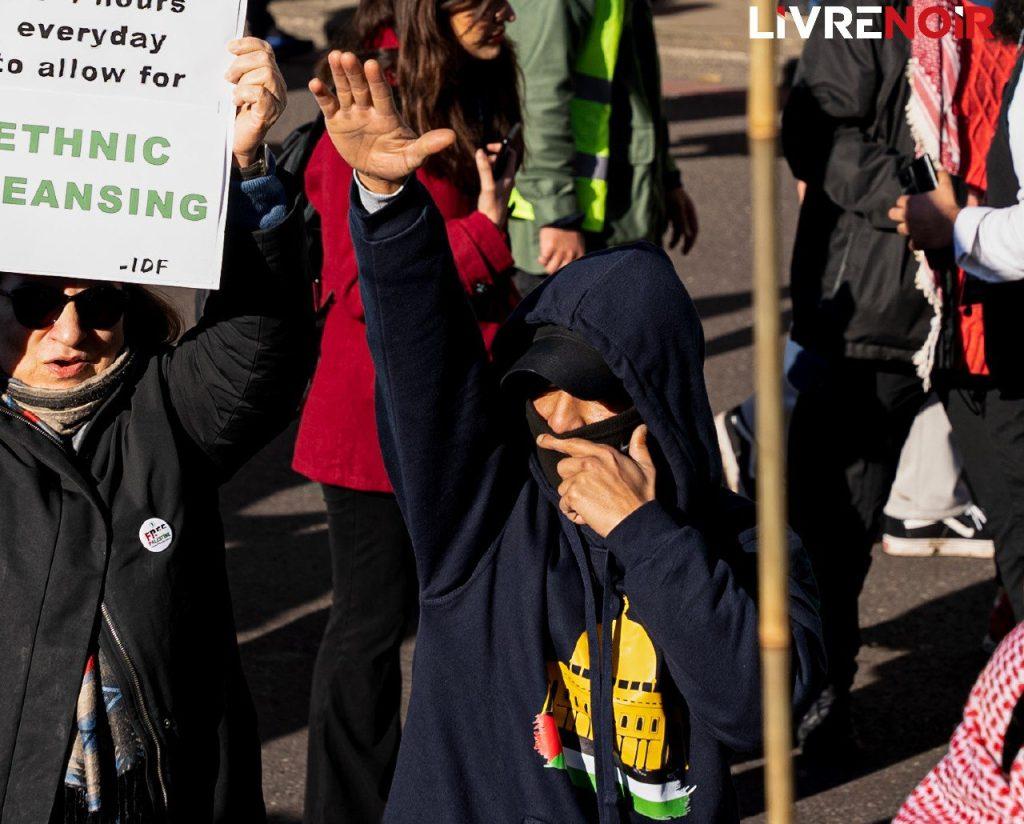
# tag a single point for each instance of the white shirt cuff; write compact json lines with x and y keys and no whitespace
{"x":373,"y":202}
{"x":965,"y":236}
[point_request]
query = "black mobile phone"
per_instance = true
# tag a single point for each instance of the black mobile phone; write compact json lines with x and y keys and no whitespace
{"x":919,"y":176}
{"x":505,"y":155}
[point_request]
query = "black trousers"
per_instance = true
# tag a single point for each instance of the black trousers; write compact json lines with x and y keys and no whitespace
{"x":988,"y":429}
{"x":844,"y":446}
{"x":354,"y":716}
{"x":260,"y":21}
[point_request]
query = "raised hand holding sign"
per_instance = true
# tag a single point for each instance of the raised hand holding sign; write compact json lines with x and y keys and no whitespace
{"x":260,"y":95}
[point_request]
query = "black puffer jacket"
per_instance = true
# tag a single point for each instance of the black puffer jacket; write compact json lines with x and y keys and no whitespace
{"x":73,"y":566}
{"x":845,"y":133}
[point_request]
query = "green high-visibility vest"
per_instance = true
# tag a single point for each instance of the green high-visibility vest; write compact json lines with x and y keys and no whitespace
{"x":591,"y":111}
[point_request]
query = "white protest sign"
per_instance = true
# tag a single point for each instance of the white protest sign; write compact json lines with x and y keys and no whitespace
{"x":116,"y":126}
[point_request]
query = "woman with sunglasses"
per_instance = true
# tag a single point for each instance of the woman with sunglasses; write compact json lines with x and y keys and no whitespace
{"x":451,"y":66}
{"x":122,"y":697}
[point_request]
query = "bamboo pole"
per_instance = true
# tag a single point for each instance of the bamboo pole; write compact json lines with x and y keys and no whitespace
{"x":773,"y":558}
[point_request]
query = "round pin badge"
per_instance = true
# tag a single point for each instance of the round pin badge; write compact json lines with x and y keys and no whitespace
{"x":156,"y":535}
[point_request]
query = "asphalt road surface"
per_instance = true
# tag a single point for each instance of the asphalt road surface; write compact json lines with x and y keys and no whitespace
{"x":923,"y":619}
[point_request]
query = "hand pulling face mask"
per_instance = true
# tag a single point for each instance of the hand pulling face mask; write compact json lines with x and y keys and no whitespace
{"x":615,"y":432}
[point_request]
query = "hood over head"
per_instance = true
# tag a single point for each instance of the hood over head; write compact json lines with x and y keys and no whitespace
{"x":629,"y":304}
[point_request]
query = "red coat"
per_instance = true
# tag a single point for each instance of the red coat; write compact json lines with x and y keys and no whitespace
{"x":337,"y":440}
{"x":988,"y":65}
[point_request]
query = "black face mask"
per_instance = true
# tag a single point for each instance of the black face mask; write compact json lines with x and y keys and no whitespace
{"x":615,"y":432}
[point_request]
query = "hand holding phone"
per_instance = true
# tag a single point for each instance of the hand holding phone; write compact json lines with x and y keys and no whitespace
{"x":505,"y":155}
{"x":919,"y":176}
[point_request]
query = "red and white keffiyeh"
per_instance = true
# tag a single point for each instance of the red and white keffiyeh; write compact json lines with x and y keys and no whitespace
{"x":968,"y":785}
{"x":934,"y":74}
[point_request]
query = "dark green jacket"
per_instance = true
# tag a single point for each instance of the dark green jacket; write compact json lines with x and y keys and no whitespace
{"x":548,"y":35}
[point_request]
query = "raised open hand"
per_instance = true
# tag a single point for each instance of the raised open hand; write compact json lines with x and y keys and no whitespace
{"x":367,"y":129}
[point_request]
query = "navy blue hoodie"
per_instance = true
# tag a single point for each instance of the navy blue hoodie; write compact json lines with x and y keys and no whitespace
{"x":522,"y":709}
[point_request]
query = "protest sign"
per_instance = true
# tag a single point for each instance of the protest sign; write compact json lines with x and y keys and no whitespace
{"x":116,"y":126}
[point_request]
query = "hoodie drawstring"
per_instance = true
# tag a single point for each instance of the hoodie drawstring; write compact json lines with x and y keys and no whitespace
{"x":602,"y":715}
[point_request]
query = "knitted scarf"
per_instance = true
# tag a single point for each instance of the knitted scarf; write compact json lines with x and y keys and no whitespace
{"x":934,"y":73}
{"x":66,"y":411}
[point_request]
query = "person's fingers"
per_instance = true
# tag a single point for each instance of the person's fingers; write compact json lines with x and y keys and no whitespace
{"x":327,"y":102}
{"x":264,"y":105}
{"x":692,"y":217}
{"x":264,"y":76}
{"x":547,"y":251}
{"x":638,"y":449}
{"x":483,"y":168}
{"x":944,"y":178}
{"x":555,"y":263}
{"x":897,"y":214}
{"x":568,"y":467}
{"x":677,"y":233}
{"x":692,"y":226}
{"x":493,"y":148}
{"x":277,"y":85}
{"x":903,"y":229}
{"x":570,"y":513}
{"x":248,"y":62}
{"x":431,"y":143}
{"x":342,"y":90}
{"x":574,"y":447}
{"x":380,"y":91}
{"x":244,"y":45}
{"x":356,"y":80}
{"x":902,"y":201}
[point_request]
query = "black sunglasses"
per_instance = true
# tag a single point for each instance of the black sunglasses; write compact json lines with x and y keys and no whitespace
{"x":38,"y":305}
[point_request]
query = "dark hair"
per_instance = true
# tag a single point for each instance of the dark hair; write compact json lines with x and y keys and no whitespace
{"x":1009,"y":20}
{"x":356,"y":31}
{"x":441,"y":86}
{"x":150,"y":320}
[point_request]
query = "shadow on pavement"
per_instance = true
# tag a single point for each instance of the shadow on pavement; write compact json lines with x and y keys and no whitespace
{"x":275,"y":528}
{"x":279,"y":667}
{"x":279,"y":568}
{"x":705,"y":105}
{"x":914,"y":701}
{"x":710,"y":306}
{"x":666,"y":9}
{"x":725,"y":144}
{"x":738,"y":339}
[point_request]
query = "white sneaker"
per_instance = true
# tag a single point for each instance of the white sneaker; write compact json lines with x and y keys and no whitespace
{"x":961,"y":537}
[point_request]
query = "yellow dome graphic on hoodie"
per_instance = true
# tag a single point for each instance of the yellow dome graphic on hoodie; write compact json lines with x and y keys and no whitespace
{"x":640,"y":721}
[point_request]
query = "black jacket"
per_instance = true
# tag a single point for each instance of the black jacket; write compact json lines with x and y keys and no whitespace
{"x":845,"y":133}
{"x":73,"y":566}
